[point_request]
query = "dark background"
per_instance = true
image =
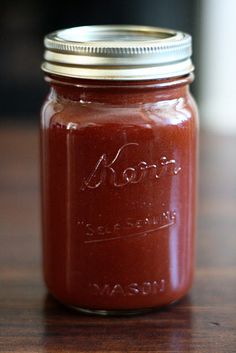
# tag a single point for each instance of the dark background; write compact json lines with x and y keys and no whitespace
{"x":23,"y":25}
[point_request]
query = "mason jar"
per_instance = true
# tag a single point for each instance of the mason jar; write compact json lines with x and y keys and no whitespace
{"x":119,"y":134}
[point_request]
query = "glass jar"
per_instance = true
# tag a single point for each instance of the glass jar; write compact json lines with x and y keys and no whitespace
{"x":119,"y":154}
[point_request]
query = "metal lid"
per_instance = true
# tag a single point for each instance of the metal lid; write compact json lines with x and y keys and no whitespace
{"x":118,"y":52}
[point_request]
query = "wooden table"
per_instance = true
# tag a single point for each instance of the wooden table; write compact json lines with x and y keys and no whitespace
{"x":31,"y":321}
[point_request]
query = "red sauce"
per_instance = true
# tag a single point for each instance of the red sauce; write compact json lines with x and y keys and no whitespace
{"x":118,"y":190}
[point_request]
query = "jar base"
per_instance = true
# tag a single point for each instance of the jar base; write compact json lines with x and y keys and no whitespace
{"x":128,"y":312}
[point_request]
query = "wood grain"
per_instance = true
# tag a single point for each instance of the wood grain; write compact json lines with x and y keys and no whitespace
{"x":32,"y":321}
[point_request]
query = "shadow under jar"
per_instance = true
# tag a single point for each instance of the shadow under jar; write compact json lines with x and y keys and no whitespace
{"x":118,"y":154}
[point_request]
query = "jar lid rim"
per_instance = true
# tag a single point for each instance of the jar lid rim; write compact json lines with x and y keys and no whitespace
{"x":118,"y":52}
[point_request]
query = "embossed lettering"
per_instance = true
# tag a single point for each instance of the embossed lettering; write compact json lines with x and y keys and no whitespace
{"x":105,"y":172}
{"x":128,"y":228}
{"x":158,"y":286}
{"x":100,"y":290}
{"x":147,"y":288}
{"x":90,"y":231}
{"x":132,"y":289}
{"x":117,"y":290}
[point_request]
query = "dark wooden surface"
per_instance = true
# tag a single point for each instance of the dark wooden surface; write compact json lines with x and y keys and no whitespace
{"x":31,"y":321}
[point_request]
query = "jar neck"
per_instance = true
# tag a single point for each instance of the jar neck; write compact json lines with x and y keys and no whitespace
{"x":120,"y":92}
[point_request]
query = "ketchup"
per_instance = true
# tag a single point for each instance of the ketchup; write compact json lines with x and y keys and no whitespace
{"x":118,"y":190}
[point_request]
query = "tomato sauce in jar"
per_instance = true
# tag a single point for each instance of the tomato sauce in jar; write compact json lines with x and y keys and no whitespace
{"x":119,"y":153}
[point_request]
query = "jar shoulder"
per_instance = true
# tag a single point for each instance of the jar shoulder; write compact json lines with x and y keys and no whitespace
{"x":174,"y":111}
